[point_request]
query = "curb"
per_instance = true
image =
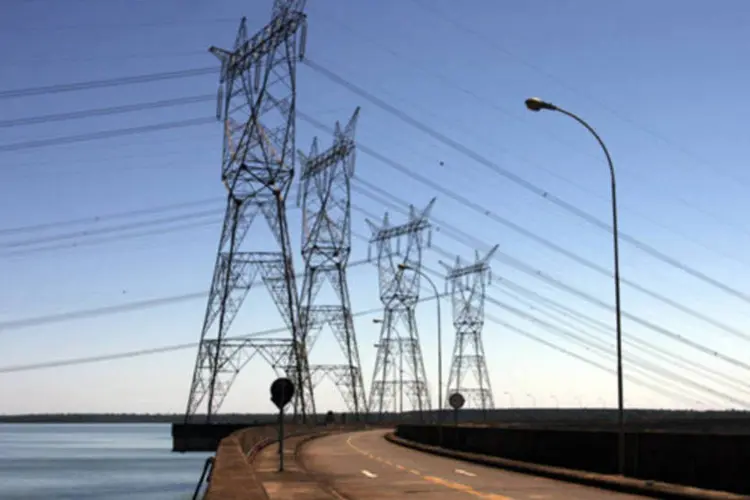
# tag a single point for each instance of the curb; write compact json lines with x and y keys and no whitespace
{"x":621,"y":484}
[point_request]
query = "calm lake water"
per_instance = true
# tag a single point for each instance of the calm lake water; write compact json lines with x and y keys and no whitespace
{"x":88,"y":461}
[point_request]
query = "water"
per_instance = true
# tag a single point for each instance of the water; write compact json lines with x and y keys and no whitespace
{"x":94,"y":461}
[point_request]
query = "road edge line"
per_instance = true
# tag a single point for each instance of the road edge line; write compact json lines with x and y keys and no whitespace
{"x":623,"y":485}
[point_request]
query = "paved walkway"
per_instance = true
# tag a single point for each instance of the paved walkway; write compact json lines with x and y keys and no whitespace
{"x":292,"y":483}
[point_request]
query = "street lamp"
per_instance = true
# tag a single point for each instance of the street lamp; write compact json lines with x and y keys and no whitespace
{"x":532,"y":398}
{"x":536,"y":104}
{"x":557,"y":401}
{"x":403,"y":267}
{"x":510,"y":397}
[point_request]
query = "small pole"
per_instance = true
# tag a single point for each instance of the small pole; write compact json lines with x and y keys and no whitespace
{"x":281,"y":439}
{"x":455,"y":417}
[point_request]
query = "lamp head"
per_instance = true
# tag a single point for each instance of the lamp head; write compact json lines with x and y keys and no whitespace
{"x":536,"y":104}
{"x":403,"y":267}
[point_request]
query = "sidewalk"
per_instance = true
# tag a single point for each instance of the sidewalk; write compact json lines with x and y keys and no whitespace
{"x":293,"y":483}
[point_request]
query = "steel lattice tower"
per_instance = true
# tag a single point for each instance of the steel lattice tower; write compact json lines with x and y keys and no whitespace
{"x":256,"y":102}
{"x":325,"y":197}
{"x":468,"y":288}
{"x":399,"y":250}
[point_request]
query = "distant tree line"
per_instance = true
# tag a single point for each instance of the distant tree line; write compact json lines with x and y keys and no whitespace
{"x":134,"y":418}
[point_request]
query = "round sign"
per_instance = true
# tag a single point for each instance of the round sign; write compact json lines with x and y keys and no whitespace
{"x":282,"y":391}
{"x":456,"y":400}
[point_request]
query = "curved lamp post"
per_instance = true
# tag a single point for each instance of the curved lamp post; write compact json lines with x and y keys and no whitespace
{"x":532,"y":398}
{"x":536,"y":104}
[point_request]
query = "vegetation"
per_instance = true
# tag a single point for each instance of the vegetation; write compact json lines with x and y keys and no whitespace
{"x":123,"y":418}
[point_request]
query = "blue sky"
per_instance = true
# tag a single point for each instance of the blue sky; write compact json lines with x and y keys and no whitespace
{"x":662,"y":82}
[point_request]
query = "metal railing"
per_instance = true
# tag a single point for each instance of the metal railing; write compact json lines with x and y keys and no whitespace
{"x":208,"y":468}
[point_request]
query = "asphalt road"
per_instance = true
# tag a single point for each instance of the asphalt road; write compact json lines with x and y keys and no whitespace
{"x":364,"y":465}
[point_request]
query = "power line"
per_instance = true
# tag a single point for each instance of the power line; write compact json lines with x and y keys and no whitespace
{"x":35,"y":61}
{"x":461,"y":148}
{"x":111,"y":229}
{"x":422,"y":179}
{"x":576,"y":338}
{"x":150,"y":24}
{"x":679,"y":395}
{"x":107,"y":111}
{"x":657,"y":135}
{"x":159,"y":350}
{"x":635,"y":361}
{"x":112,"y":239}
{"x":551,"y":245}
{"x":175,"y":102}
{"x":109,"y":82}
{"x":115,"y":309}
{"x":359,"y":182}
{"x":209,"y":97}
{"x":145,"y":352}
{"x":98,"y":311}
{"x":106,"y":217}
{"x":527,"y":296}
{"x":464,"y":237}
{"x":523,"y":231}
{"x":172,"y":348}
{"x":656,"y":369}
{"x":416,"y":63}
{"x":105,"y":134}
{"x":655,"y":388}
{"x":445,"y":253}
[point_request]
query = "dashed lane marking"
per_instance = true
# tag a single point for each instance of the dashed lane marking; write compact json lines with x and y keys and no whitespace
{"x":436,"y":480}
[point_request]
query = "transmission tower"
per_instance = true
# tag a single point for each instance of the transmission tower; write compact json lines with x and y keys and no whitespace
{"x":468,"y":287}
{"x":399,"y":250}
{"x":256,"y":102}
{"x":325,"y":197}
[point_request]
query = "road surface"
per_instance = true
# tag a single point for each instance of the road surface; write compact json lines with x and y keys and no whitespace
{"x":364,"y":465}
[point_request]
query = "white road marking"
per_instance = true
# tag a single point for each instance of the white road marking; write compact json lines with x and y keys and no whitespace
{"x":369,"y":474}
{"x":465,"y":473}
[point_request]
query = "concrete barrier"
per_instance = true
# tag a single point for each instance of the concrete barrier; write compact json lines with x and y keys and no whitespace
{"x":708,"y":461}
{"x":232,"y":476}
{"x":621,"y":484}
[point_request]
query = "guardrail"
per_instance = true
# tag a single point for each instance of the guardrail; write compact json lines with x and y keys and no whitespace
{"x":205,"y":476}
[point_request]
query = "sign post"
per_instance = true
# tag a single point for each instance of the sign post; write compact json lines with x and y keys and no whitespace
{"x":457,"y":401}
{"x":282,"y":391}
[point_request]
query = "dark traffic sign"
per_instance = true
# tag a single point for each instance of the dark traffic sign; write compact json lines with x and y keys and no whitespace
{"x":282,"y":391}
{"x":456,"y":400}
